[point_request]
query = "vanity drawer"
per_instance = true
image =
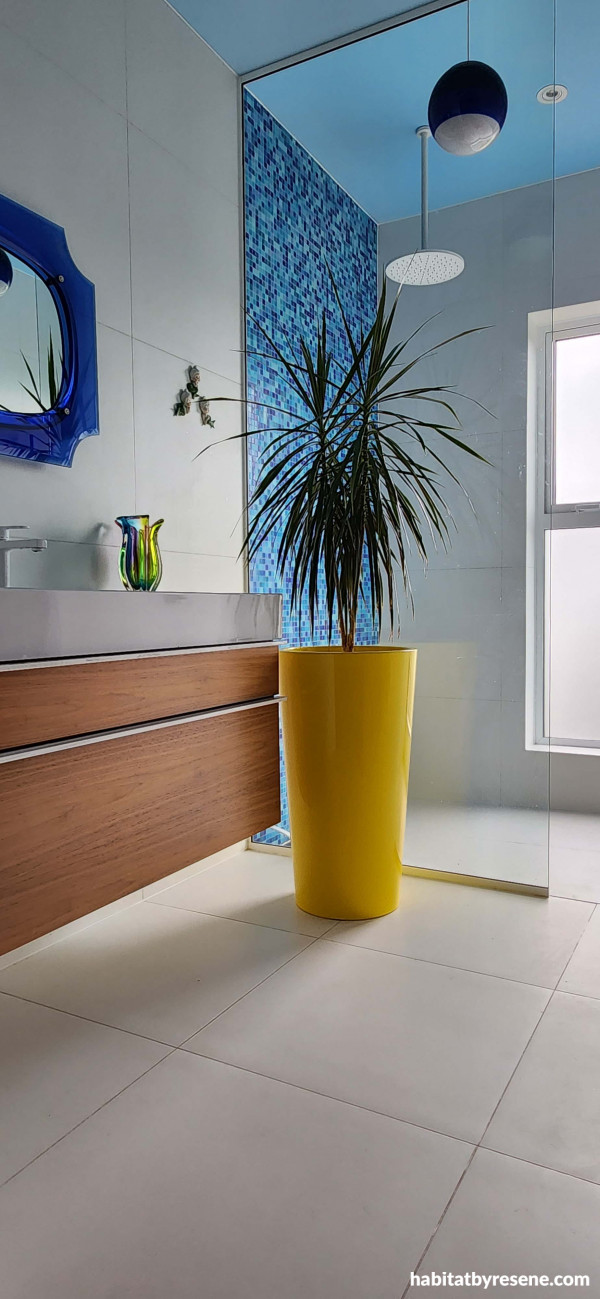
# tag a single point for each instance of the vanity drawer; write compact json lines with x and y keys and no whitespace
{"x":85,"y":824}
{"x":38,"y":705}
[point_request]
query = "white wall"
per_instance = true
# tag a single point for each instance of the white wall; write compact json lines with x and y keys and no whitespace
{"x":469,"y":738}
{"x":120,"y":124}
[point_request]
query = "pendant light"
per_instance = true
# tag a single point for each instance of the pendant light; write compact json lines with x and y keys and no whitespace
{"x":468,"y":105}
{"x":426,"y":265}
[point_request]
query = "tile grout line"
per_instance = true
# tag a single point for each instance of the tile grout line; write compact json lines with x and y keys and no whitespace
{"x":459,"y":1183}
{"x":282,"y":1082}
{"x":444,"y":965}
{"x":579,"y":940}
{"x":174,"y":356}
{"x":170,"y":1051}
{"x":189,"y":171}
{"x":217,"y":915}
{"x":479,"y":1145}
{"x":337,"y":1100}
{"x":59,"y":67}
{"x":109,"y":1101}
{"x":130,"y":257}
{"x":247,"y":994}
{"x":177,"y":1046}
{"x":534,"y":1163}
{"x":114,"y":545}
{"x":85,"y":1019}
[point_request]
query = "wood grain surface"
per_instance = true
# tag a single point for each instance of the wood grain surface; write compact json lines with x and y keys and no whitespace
{"x":84,"y":826}
{"x":52,"y":703}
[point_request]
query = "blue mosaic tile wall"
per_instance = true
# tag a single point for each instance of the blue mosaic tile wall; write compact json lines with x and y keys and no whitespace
{"x":297,"y":219}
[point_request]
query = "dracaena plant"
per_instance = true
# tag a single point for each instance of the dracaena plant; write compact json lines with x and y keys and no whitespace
{"x":354,"y":482}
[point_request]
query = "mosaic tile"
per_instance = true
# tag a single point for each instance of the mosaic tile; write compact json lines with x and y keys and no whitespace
{"x":297,"y":221}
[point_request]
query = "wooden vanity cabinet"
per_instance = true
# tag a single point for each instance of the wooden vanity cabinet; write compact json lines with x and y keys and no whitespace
{"x":88,"y":815}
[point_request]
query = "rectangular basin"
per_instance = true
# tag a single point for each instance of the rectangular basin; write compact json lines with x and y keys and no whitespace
{"x":40,"y":625}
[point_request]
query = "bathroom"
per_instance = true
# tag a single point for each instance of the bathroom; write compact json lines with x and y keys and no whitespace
{"x":204,"y":1085}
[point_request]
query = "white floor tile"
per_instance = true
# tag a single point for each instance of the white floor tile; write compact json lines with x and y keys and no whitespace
{"x":153,"y":970}
{"x":574,"y":873}
{"x":511,"y":1218}
{"x":550,"y":1111}
{"x":416,"y":1041}
{"x":55,"y":1070}
{"x":253,"y":886}
{"x":582,"y":974}
{"x":529,"y":939}
{"x":501,"y":843}
{"x":203,"y":1180}
{"x":575,"y":830}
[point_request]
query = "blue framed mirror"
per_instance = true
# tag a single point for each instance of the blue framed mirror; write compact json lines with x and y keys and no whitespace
{"x":48,"y":372}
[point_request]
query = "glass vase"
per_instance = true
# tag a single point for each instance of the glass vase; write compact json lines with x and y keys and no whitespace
{"x":140,"y":562}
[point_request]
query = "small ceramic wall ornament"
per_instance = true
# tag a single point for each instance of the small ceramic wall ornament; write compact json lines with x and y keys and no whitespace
{"x":191,"y":395}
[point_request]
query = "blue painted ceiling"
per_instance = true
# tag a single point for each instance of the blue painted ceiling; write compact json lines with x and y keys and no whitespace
{"x":356,"y":109}
{"x":249,"y":34}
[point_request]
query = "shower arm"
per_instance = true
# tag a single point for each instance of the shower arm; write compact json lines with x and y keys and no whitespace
{"x":424,"y":133}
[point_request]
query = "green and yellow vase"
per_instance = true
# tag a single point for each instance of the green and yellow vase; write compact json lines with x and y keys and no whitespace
{"x":140,"y":562}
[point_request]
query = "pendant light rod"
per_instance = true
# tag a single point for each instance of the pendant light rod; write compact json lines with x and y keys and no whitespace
{"x":424,"y":133}
{"x":468,"y":31}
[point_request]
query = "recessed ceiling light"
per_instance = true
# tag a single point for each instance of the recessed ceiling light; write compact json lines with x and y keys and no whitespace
{"x":552,"y":94}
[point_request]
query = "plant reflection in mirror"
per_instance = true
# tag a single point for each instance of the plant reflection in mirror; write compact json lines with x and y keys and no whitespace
{"x":355,"y":483}
{"x":55,"y":376}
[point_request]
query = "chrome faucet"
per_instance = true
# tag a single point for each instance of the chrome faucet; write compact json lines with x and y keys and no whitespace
{"x":8,"y":543}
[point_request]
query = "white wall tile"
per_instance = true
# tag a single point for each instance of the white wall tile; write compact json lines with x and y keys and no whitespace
{"x":525,"y":775}
{"x":185,"y":261}
{"x":62,"y":90}
{"x":474,"y":503}
{"x":84,"y":37}
{"x":182,"y":95}
{"x":456,"y":624}
{"x":507,"y":242}
{"x":512,"y":635}
{"x":65,"y":156}
{"x":513,"y":496}
{"x":67,"y":566}
{"x":185,"y":572}
{"x":199,"y":498}
{"x":455,"y":755}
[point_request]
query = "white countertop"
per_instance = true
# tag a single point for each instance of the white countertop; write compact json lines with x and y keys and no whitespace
{"x":50,"y":625}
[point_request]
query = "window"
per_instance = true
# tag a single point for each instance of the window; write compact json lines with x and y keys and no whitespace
{"x":563,"y":568}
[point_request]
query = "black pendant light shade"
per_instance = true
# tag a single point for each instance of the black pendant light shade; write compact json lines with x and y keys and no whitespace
{"x":467,"y":108}
{"x":6,"y":272}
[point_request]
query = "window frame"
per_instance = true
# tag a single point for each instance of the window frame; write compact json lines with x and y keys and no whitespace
{"x":544,"y":515}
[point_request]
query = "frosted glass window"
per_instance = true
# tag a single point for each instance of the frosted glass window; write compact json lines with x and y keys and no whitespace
{"x":577,"y":427}
{"x":573,"y":630}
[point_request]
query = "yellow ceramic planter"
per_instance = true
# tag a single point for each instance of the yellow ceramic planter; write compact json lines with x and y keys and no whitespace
{"x":347,"y":721}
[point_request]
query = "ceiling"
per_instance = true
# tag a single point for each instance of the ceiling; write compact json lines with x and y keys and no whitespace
{"x":249,"y":34}
{"x":357,"y":109}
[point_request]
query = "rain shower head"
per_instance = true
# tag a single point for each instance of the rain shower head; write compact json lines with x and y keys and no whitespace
{"x":426,"y":265}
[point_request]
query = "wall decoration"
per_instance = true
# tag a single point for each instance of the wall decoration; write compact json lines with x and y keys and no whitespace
{"x":191,"y":394}
{"x":48,"y":378}
{"x":297,"y":220}
{"x":140,"y":560}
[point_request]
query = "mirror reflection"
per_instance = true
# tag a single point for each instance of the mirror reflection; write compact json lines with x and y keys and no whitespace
{"x":31,"y":351}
